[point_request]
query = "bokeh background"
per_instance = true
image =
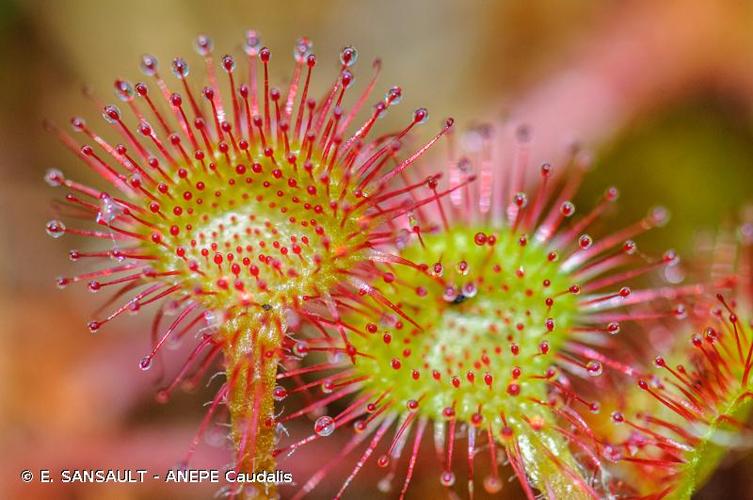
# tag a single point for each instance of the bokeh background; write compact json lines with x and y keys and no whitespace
{"x":660,"y":92}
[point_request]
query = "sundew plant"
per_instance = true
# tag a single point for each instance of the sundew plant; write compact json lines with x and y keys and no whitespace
{"x":401,"y":293}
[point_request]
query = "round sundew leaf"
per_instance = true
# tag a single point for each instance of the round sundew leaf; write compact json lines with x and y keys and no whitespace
{"x":484,"y":345}
{"x":685,"y":414}
{"x":237,"y":208}
{"x":474,"y":304}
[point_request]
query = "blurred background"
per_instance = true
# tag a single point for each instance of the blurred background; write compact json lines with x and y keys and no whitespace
{"x":660,"y":92}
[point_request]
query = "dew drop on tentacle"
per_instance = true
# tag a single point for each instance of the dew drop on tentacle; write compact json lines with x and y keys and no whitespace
{"x":78,"y":124}
{"x":111,"y":114}
{"x":149,"y":65}
{"x":594,"y":368}
{"x":252,"y":43}
{"x":302,"y":49}
{"x":228,"y":63}
{"x":54,"y":177}
{"x":680,"y":311}
{"x":328,"y":387}
{"x":124,"y":90}
{"x":437,"y":269}
{"x":629,"y":247}
{"x":421,"y":115}
{"x":55,"y":228}
{"x":585,"y":242}
{"x":462,"y":268}
{"x":567,"y":208}
{"x":203,"y":45}
{"x":450,"y":294}
{"x":348,"y":56}
{"x":109,"y":210}
{"x":492,"y":484}
{"x":324,"y":426}
{"x":145,"y":363}
{"x":447,"y":478}
{"x":279,"y":393}
{"x":393,"y":96}
{"x":612,"y":453}
{"x":300,"y":349}
{"x":180,"y":68}
{"x":659,"y":216}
